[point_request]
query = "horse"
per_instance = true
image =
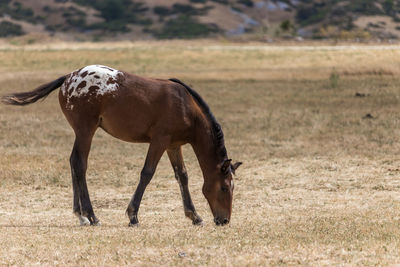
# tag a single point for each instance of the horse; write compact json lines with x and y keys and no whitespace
{"x":164,"y":113}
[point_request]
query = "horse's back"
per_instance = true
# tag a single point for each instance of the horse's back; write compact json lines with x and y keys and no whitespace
{"x":127,"y":106}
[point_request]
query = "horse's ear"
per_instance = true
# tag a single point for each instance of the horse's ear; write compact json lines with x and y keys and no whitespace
{"x":235,"y":166}
{"x":225,"y":165}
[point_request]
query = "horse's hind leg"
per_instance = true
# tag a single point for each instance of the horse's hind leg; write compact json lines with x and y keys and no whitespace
{"x":82,"y":206}
{"x":76,"y":203}
{"x":175,"y":156}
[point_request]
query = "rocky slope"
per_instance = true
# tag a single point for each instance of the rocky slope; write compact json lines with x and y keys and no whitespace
{"x":160,"y":19}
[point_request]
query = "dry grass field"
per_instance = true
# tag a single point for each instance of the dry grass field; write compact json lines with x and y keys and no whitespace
{"x":320,"y":183}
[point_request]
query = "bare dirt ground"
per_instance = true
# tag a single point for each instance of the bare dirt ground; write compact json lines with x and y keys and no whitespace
{"x":318,"y":131}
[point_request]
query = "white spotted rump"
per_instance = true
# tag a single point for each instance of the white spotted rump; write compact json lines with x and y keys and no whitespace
{"x":94,"y":79}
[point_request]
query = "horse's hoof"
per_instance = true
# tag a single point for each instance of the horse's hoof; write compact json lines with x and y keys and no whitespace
{"x":84,"y":221}
{"x":133,"y":221}
{"x":133,"y":224}
{"x":96,"y":223}
{"x":198,"y":222}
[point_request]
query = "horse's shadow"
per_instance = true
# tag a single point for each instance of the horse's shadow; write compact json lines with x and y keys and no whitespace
{"x":64,"y":226}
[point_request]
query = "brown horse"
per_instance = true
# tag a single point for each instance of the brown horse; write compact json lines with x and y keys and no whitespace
{"x":164,"y":113}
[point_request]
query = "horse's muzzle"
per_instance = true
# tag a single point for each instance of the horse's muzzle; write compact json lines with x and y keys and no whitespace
{"x":221,"y":221}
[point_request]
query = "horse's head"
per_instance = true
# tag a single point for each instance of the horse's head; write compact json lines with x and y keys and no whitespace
{"x":218,"y":190}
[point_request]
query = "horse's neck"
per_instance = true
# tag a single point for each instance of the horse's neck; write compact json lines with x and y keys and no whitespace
{"x":204,"y":148}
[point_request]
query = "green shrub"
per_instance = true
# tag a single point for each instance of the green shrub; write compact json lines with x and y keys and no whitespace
{"x":4,"y":2}
{"x":117,"y":14}
{"x":79,"y":22}
{"x":47,"y":9}
{"x":307,"y":15}
{"x":365,"y":7}
{"x":113,"y":26}
{"x":184,"y":27}
{"x":10,"y":29}
{"x":180,"y":9}
{"x":162,"y":11}
{"x":388,"y":6}
{"x":286,"y":26}
{"x":248,"y":3}
{"x":18,"y":12}
{"x":184,"y":9}
{"x":339,"y":12}
{"x":224,"y":2}
{"x":50,"y":28}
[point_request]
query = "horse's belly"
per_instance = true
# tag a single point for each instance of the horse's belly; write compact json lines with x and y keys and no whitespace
{"x":125,"y":128}
{"x":128,"y":118}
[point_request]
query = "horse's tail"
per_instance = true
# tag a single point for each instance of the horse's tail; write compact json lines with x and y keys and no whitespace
{"x":25,"y":98}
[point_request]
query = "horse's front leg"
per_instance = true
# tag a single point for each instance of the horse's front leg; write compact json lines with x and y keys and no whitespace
{"x":175,"y":156}
{"x":156,"y":149}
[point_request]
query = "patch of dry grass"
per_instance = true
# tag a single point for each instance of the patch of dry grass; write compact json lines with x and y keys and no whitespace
{"x":319,"y":185}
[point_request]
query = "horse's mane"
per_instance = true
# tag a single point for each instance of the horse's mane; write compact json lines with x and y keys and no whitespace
{"x":215,"y":126}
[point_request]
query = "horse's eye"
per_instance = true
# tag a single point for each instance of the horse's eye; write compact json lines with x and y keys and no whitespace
{"x":224,"y":189}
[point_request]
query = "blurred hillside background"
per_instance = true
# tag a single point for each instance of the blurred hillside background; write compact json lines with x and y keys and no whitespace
{"x":99,"y":20}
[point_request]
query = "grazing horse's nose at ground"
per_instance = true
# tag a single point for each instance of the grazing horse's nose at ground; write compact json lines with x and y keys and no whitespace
{"x":221,"y":221}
